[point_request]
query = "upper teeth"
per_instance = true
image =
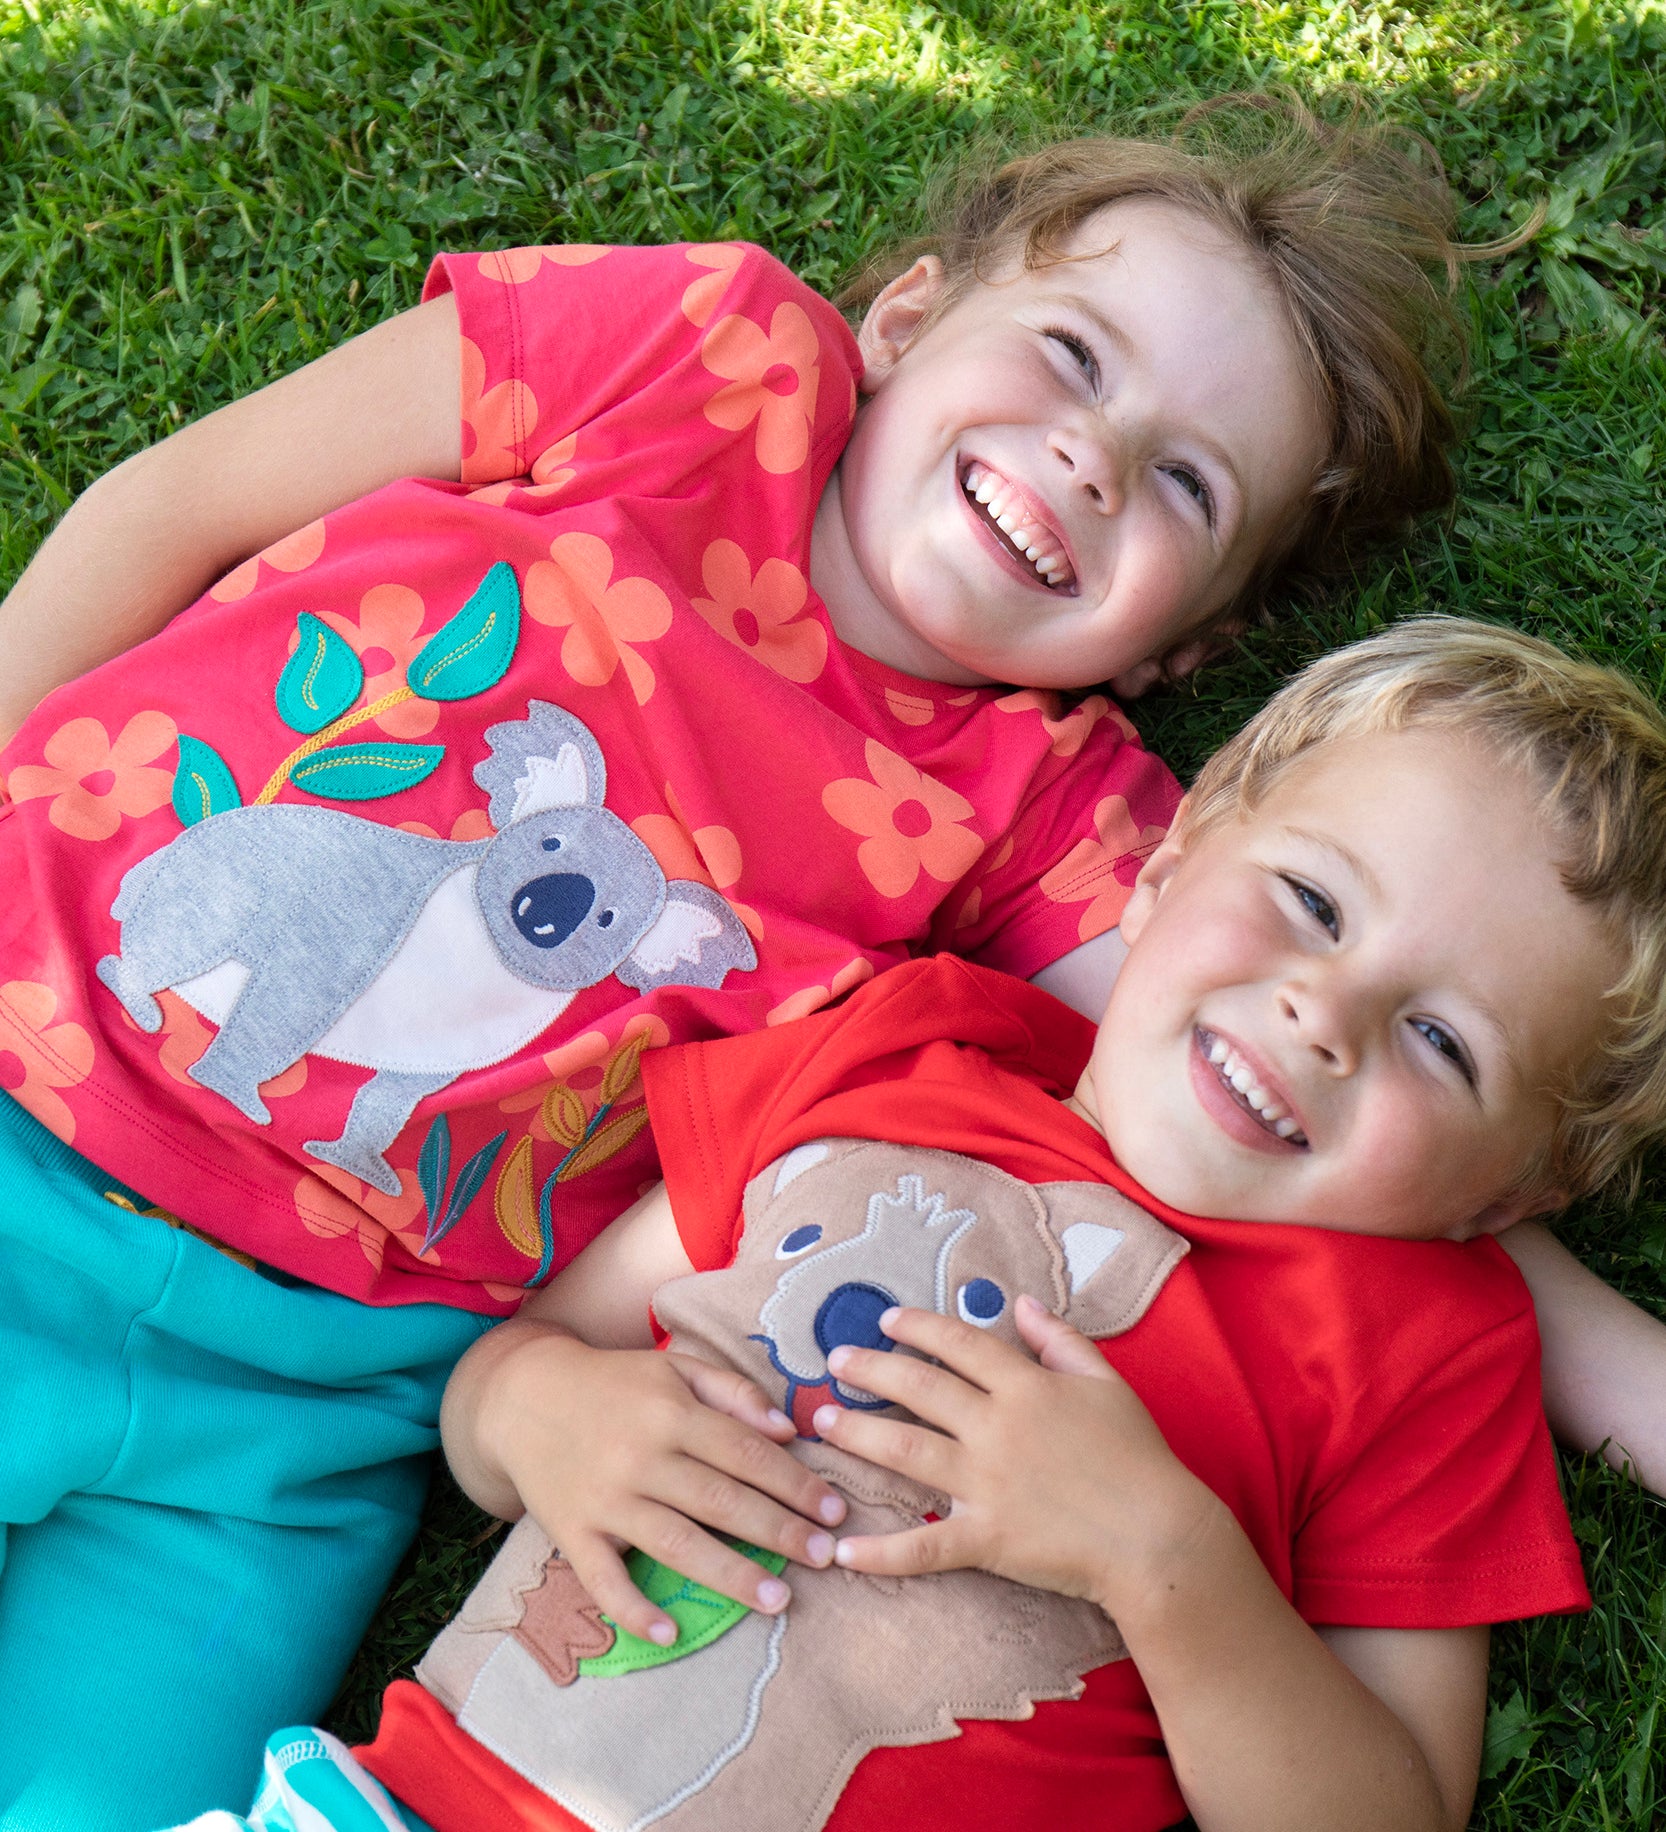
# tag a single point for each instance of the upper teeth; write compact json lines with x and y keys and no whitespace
{"x":1009,"y":512}
{"x":1241,"y":1076}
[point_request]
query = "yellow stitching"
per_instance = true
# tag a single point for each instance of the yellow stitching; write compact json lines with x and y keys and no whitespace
{"x":457,"y":655}
{"x":328,"y":735}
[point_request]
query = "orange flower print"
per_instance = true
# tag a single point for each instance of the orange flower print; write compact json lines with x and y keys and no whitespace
{"x":909,"y":708}
{"x":52,"y":1056}
{"x":335,"y":1205}
{"x":1101,"y":871}
{"x":498,"y":419}
{"x":710,"y":855}
{"x":572,"y":590}
{"x":700,"y":297}
{"x":551,"y":473}
{"x":909,"y":822}
{"x":762,"y":614}
{"x":387,"y":637}
{"x":811,"y":998}
{"x":515,"y":266}
{"x":95,"y":783}
{"x":471,"y":824}
{"x":772,"y":379}
{"x":1068,"y":730}
{"x":294,"y":553}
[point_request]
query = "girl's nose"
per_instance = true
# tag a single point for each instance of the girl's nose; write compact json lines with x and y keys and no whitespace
{"x":1095,"y":461}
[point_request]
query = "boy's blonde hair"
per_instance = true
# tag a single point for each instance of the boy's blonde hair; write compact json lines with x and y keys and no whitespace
{"x":1351,"y":225}
{"x":1593,"y":745}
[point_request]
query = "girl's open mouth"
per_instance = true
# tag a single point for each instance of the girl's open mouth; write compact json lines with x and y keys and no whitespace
{"x":1018,"y":526}
{"x":1238,"y":1081}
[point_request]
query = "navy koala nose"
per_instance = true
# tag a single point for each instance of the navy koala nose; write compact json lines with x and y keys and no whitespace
{"x":851,"y":1313}
{"x":549,"y":909}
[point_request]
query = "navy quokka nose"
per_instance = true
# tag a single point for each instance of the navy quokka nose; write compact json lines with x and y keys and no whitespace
{"x":548,"y":909}
{"x":850,"y":1314}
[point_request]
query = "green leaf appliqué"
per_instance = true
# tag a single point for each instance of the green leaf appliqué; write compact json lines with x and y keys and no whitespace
{"x":365,"y":772}
{"x":320,"y":680}
{"x":701,"y":1615}
{"x":202,"y":783}
{"x":473,"y":650}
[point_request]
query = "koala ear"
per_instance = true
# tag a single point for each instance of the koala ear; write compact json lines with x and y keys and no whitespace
{"x":551,"y":782}
{"x":1116,"y":1256}
{"x":546,"y":760}
{"x":694,"y":941}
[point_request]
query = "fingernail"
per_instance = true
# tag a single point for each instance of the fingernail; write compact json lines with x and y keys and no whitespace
{"x":772,"y":1593}
{"x":777,"y":1418}
{"x":888,"y":1317}
{"x":663,"y":1632}
{"x":825,"y":1418}
{"x":832,"y":1510}
{"x":819,"y":1548}
{"x":838,"y":1359}
{"x":843,"y":1554}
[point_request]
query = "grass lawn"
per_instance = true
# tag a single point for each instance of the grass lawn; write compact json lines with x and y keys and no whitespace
{"x":198,"y":197}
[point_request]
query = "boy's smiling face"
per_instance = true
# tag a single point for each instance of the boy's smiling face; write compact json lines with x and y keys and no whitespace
{"x":1351,"y":1007}
{"x":1140,"y":421}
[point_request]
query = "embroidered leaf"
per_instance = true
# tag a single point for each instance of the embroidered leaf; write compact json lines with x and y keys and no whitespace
{"x":516,"y":1201}
{"x":202,"y":783}
{"x":473,"y":650}
{"x":434,"y":1172}
{"x":564,"y":1117}
{"x":701,"y":1615}
{"x":365,"y":772}
{"x":469,"y":1180}
{"x":607,"y":1139}
{"x":621,"y":1071}
{"x":546,"y":1235}
{"x":320,"y":680}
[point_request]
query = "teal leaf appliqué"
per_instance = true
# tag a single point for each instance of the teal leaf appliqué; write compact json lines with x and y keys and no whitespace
{"x":365,"y":772}
{"x":320,"y":680}
{"x":472,"y":650}
{"x":202,"y":784}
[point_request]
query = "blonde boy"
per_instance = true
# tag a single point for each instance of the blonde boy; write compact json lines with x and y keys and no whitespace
{"x":1394,"y":977}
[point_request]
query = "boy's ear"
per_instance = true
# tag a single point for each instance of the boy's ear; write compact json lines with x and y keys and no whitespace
{"x":1497,"y":1216}
{"x":1154,"y":875}
{"x":895,"y":317}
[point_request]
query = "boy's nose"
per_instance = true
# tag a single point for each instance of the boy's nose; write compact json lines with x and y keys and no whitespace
{"x":1321,"y":1017}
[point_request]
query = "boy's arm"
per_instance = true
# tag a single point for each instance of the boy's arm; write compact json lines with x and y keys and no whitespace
{"x":149,"y":537}
{"x":567,"y":1412}
{"x":1061,"y":1479}
{"x":1082,"y":979}
{"x":1604,"y":1358}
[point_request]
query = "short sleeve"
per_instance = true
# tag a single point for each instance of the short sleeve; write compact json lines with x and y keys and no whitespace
{"x":554,"y":338}
{"x":1450,"y":1514}
{"x":1098,"y":806}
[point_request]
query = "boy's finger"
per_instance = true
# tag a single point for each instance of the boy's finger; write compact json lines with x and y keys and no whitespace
{"x":600,"y":1569}
{"x":911,"y":1450}
{"x":935,"y":1394}
{"x":690,"y":1551}
{"x":713,"y":1499}
{"x":734,"y":1395}
{"x":744,"y":1454}
{"x":905,"y":1555}
{"x":1057,"y":1345}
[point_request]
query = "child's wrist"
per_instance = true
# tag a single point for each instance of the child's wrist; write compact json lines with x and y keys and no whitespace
{"x":1171,"y":1559}
{"x":510,"y":1388}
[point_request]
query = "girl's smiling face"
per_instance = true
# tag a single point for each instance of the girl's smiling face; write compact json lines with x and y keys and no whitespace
{"x":1067,"y":474}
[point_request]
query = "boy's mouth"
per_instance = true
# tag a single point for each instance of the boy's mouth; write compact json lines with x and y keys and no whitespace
{"x":1018,"y":525}
{"x":1239,"y":1081}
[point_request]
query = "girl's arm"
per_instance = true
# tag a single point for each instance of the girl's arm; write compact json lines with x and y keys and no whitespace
{"x":1604,"y":1358}
{"x":149,"y":537}
{"x":1061,"y":1479}
{"x":567,"y":1412}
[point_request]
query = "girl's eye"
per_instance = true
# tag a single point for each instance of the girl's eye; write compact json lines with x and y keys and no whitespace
{"x":1195,"y":488}
{"x":1318,"y":906}
{"x":1080,"y":354}
{"x":1441,"y":1040}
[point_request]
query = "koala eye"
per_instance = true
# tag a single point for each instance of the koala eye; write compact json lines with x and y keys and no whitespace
{"x":800,"y":1240}
{"x":980,"y":1301}
{"x":552,"y":845}
{"x":605,"y":920}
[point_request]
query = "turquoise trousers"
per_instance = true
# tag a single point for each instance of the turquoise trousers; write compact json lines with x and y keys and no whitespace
{"x":207,"y":1476}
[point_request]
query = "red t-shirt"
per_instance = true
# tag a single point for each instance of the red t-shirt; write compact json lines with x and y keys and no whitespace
{"x":1368,"y":1408}
{"x":309,"y":781}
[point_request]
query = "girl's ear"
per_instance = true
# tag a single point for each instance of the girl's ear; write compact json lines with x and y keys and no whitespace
{"x":1154,"y":875}
{"x":895,"y":317}
{"x":1177,"y":664}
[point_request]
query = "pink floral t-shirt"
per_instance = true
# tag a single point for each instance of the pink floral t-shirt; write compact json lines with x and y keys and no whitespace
{"x":341,"y":912}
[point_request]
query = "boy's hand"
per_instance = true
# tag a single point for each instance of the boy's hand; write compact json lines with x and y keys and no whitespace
{"x":1059,"y":1475}
{"x":608,"y":1448}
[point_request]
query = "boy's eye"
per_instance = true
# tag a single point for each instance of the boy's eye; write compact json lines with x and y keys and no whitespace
{"x":1195,"y":488}
{"x":1441,"y":1040}
{"x":1318,"y":906}
{"x":1080,"y":354}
